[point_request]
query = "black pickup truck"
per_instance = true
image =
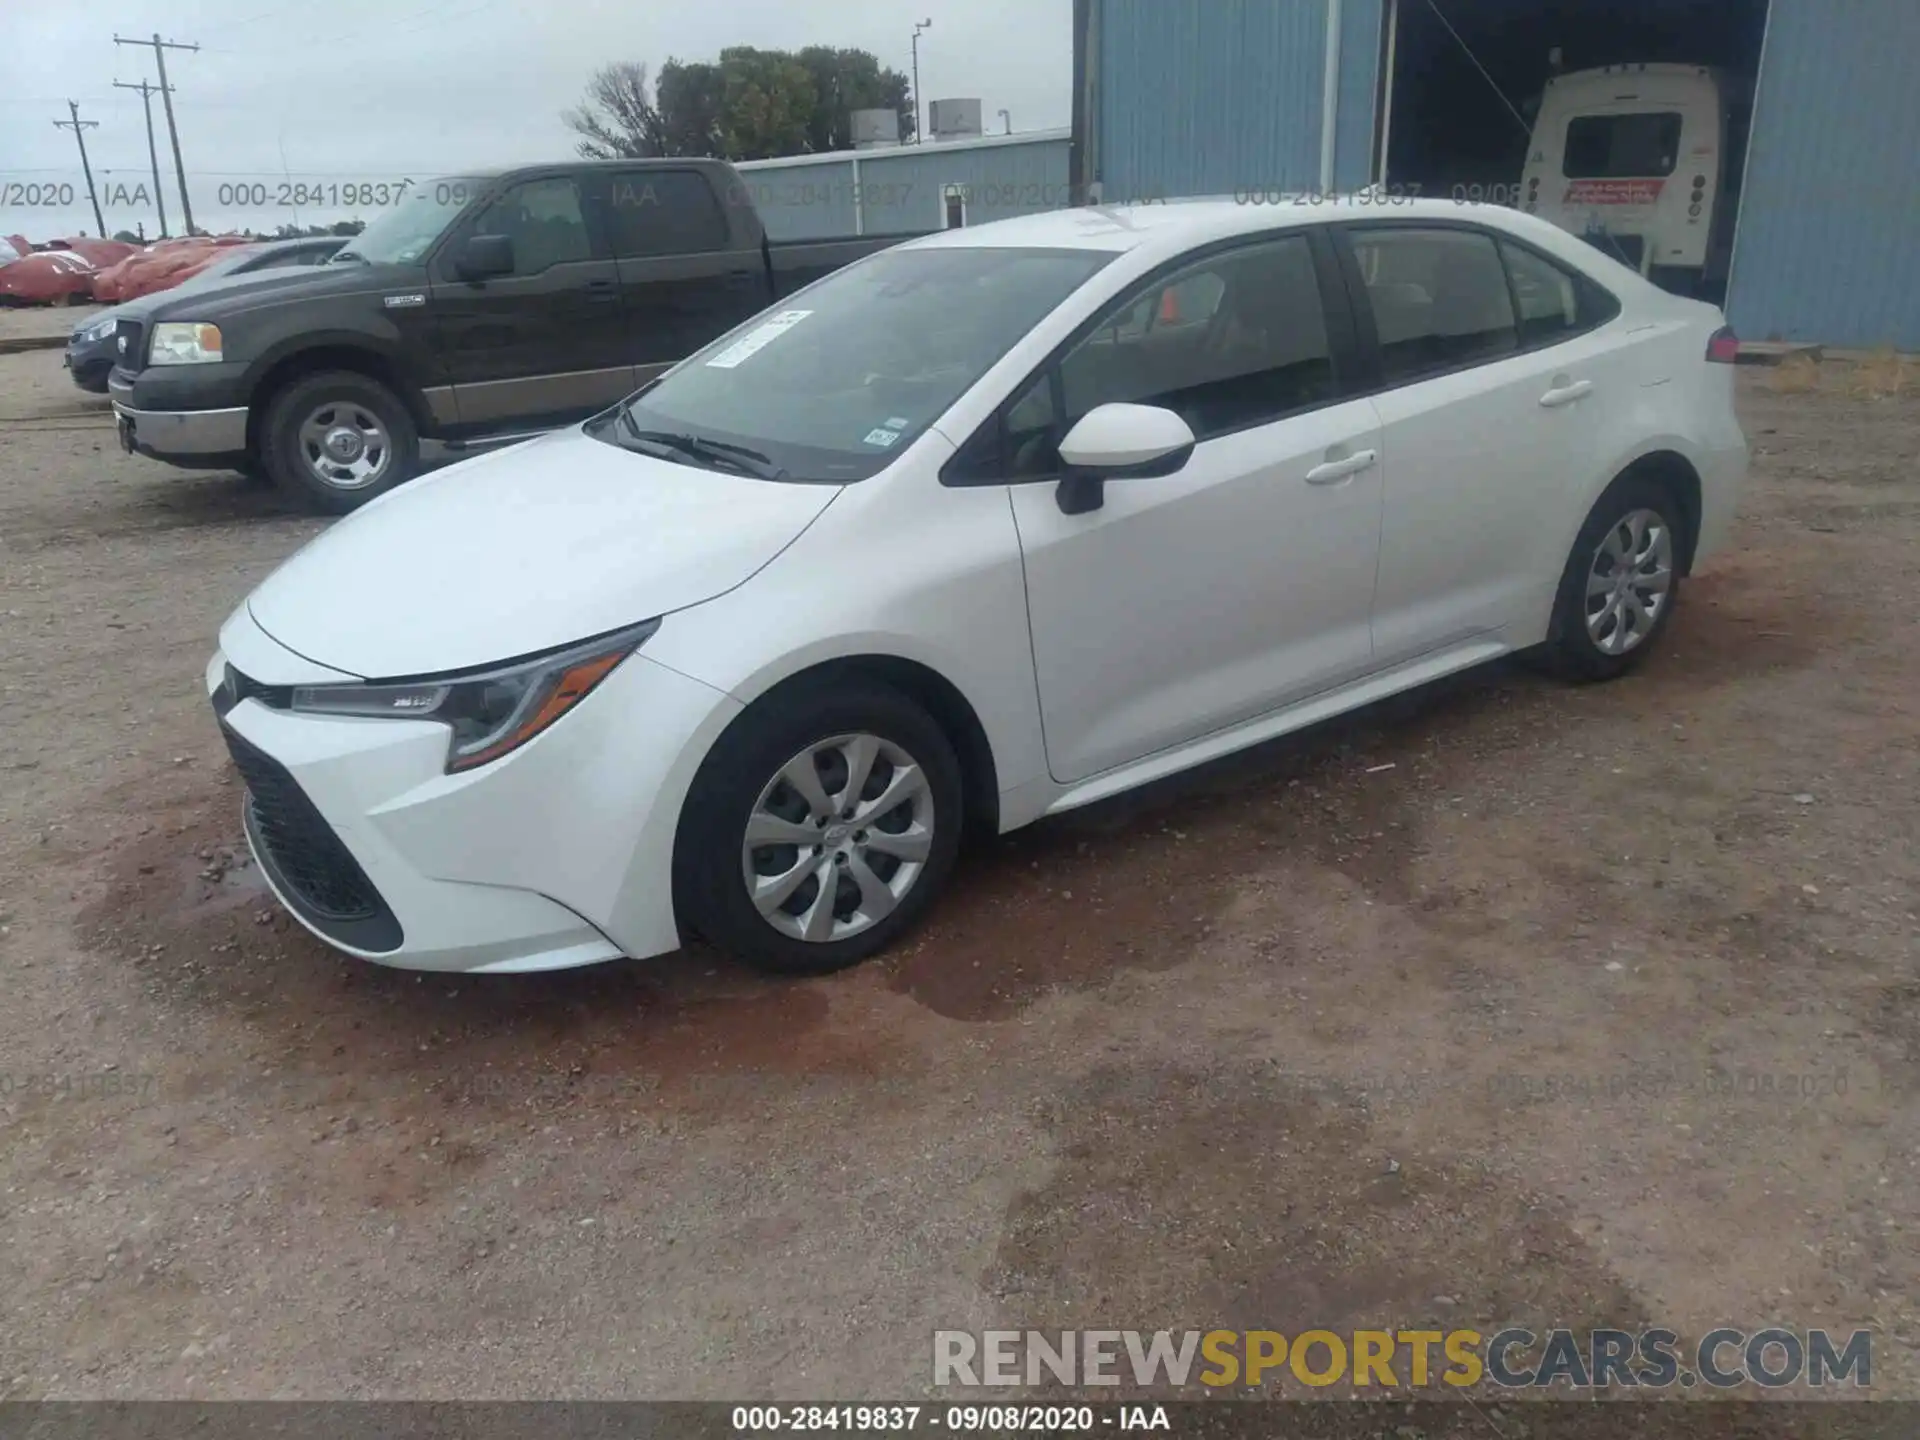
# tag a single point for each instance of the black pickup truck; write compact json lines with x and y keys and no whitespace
{"x":478,"y":309}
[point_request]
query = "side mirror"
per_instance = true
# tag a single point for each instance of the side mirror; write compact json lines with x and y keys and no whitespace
{"x":485,"y":256}
{"x":1120,"y":442}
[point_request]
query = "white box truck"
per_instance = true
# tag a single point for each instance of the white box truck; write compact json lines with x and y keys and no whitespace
{"x":1642,"y":160}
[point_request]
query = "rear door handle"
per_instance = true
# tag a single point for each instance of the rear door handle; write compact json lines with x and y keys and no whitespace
{"x":1567,"y":394}
{"x":740,"y":279}
{"x":1334,"y":471}
{"x":603,"y":290}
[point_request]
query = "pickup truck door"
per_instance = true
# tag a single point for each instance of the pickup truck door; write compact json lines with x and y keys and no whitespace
{"x":547,"y":342}
{"x":684,"y":277}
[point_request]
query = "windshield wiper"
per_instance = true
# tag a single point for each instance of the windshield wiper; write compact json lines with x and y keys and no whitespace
{"x":714,"y":452}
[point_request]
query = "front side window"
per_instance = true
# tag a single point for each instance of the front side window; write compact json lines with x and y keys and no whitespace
{"x":832,"y":383}
{"x":1234,"y":340}
{"x":1438,"y":298}
{"x":1622,"y":147}
{"x":544,"y":221}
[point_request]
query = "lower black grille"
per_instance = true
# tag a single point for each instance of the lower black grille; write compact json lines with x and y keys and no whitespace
{"x":317,"y":874}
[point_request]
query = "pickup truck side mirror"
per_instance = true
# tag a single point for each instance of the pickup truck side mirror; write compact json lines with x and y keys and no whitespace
{"x":1119,"y":442}
{"x":485,"y":256}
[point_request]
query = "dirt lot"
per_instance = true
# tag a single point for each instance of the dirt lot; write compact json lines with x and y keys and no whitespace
{"x":1423,"y":1017}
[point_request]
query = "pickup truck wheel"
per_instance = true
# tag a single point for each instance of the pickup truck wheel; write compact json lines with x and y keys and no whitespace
{"x":334,"y":441}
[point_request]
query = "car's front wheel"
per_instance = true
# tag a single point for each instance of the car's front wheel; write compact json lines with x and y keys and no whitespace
{"x":335,"y":440}
{"x":820,"y":828}
{"x":1621,"y":582}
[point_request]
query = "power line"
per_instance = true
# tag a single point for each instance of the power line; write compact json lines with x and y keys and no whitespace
{"x":153,"y":155}
{"x":160,"y":48}
{"x":79,"y":126}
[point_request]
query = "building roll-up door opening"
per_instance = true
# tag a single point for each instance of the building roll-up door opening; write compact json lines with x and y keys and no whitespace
{"x":1646,"y":105}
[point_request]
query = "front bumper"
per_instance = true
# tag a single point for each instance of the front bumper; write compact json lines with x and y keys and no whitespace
{"x":90,"y":362}
{"x":188,"y":435}
{"x":184,"y":414}
{"x":557,"y":855}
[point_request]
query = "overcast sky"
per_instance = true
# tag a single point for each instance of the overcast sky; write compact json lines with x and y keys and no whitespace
{"x":337,"y":91}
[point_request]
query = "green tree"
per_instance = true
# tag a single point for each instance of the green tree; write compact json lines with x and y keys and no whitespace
{"x":767,"y":103}
{"x":750,"y":104}
{"x":845,"y":81}
{"x":691,"y":98}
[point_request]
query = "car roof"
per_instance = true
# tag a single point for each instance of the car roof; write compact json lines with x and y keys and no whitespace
{"x":1164,"y":229}
{"x":1176,"y":225}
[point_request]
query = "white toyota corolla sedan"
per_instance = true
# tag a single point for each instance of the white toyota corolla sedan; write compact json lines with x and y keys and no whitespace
{"x":985,"y":527}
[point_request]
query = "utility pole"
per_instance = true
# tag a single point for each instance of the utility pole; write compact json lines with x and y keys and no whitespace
{"x":77,"y":125}
{"x":160,"y":48}
{"x":153,"y":155}
{"x":919,"y":25}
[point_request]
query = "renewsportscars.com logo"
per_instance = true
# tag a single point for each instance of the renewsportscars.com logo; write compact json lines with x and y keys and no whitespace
{"x":1512,"y":1358}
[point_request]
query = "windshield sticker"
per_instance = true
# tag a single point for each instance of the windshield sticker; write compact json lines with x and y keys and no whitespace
{"x":757,"y":339}
{"x":882,"y":438}
{"x":898,"y":422}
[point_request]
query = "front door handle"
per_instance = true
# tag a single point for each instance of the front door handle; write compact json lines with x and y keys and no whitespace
{"x":1334,"y":471}
{"x":603,"y":290}
{"x":1567,"y":394}
{"x":740,"y":279}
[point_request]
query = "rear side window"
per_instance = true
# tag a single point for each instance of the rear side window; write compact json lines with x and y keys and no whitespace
{"x":1554,"y":303}
{"x":1438,"y":298}
{"x":1622,"y":147}
{"x":663,"y":212}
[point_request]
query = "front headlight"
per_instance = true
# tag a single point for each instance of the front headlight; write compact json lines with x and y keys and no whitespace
{"x":490,"y":713}
{"x":96,"y":330}
{"x":181,"y":343}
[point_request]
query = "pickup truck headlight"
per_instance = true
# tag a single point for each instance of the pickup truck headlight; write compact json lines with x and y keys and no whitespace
{"x":490,"y":713}
{"x":181,"y":343}
{"x":95,"y":330}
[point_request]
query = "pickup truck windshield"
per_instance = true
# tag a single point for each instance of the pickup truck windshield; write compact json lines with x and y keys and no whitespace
{"x":404,"y":234}
{"x":830,"y":385}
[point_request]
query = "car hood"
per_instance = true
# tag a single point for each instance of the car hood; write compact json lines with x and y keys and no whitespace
{"x":524,"y":550}
{"x":223,"y":296}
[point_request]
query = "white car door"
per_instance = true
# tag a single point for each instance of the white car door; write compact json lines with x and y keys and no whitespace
{"x":1490,"y":427}
{"x":1188,"y":603}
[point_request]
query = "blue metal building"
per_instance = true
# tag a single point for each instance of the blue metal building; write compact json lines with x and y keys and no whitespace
{"x":908,"y":189}
{"x":1199,"y":97}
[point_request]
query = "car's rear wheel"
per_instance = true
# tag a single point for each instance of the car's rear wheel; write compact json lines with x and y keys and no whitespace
{"x":335,"y":440}
{"x":821,"y":827}
{"x":1620,"y":584}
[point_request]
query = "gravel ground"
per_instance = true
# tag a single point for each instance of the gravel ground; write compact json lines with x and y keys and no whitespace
{"x":1414,"y":1018}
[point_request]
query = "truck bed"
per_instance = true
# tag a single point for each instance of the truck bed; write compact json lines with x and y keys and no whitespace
{"x":796,"y":263}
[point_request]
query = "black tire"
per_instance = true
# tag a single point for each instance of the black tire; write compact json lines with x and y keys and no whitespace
{"x":710,"y":888}
{"x":1571,"y":650}
{"x":282,"y":452}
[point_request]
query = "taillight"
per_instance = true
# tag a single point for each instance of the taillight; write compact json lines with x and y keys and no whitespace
{"x":1724,"y":347}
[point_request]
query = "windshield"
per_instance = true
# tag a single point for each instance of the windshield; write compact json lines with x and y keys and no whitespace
{"x":407,"y":230}
{"x":829,"y":386}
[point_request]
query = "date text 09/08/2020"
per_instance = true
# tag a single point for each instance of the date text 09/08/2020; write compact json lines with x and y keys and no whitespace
{"x":963,"y":1419}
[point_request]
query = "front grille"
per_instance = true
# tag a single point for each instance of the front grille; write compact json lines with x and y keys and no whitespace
{"x":236,"y":687}
{"x":317,"y":874}
{"x":129,"y":341}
